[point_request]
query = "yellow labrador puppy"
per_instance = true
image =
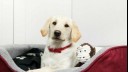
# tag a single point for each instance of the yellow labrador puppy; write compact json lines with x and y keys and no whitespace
{"x":60,"y":51}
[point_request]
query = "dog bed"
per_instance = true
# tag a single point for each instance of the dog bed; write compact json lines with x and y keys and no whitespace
{"x":107,"y":59}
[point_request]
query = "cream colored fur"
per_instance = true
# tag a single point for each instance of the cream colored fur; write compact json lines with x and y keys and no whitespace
{"x":66,"y":59}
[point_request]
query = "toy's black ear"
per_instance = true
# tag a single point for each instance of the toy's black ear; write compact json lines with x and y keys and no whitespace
{"x":93,"y":51}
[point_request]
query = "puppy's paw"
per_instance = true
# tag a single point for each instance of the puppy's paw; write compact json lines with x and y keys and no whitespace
{"x":29,"y":71}
{"x":35,"y":70}
{"x":46,"y":69}
{"x":43,"y":69}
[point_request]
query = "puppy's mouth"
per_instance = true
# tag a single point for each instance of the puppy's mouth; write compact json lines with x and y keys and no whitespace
{"x":57,"y":39}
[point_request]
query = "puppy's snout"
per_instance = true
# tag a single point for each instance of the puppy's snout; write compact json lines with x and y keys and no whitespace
{"x":57,"y":33}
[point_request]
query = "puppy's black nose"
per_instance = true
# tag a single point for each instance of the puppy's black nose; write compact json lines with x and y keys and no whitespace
{"x":57,"y":33}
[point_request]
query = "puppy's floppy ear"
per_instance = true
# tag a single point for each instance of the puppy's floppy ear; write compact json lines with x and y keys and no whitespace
{"x":75,"y":35}
{"x":44,"y":30}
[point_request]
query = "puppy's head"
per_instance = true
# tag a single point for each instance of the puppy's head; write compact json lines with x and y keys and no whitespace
{"x":61,"y":29}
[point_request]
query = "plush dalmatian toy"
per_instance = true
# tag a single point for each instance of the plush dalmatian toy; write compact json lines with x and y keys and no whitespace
{"x":84,"y":52}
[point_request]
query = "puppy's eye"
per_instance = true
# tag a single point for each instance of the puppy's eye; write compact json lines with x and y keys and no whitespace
{"x":66,"y":25}
{"x":54,"y":23}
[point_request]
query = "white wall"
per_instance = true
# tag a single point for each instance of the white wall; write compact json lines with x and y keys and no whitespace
{"x":101,"y":22}
{"x":6,"y":22}
{"x":30,"y":16}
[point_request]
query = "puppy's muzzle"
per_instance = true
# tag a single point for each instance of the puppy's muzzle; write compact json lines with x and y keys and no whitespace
{"x":57,"y":33}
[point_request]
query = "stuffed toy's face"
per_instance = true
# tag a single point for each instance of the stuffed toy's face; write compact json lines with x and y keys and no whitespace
{"x":83,"y":53}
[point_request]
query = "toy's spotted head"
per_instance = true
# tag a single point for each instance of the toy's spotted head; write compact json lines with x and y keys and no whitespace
{"x":84,"y":52}
{"x":92,"y":49}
